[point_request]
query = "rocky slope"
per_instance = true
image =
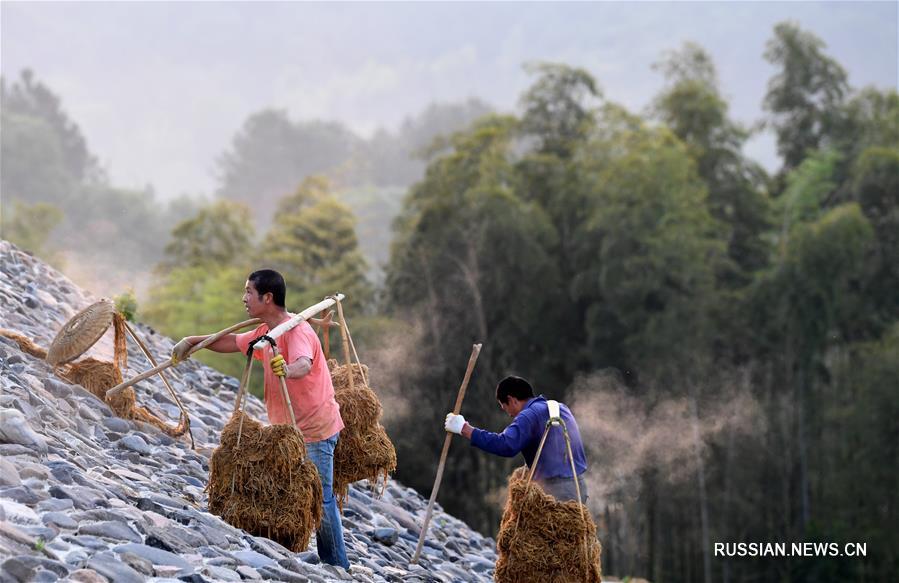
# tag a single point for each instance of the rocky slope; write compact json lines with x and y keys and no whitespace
{"x":87,"y":496}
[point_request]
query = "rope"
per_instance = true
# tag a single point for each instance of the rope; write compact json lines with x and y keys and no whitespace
{"x":344,"y":336}
{"x":348,"y":344}
{"x":577,"y":486}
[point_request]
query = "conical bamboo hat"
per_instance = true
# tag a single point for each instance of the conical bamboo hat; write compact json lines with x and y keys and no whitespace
{"x":81,"y":332}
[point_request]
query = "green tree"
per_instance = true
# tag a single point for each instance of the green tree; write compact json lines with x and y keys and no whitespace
{"x":691,"y":105}
{"x":32,"y":99}
{"x":30,"y":227}
{"x":861,"y":498}
{"x":558,"y":107}
{"x":875,"y":185}
{"x":807,"y":304}
{"x":201,"y":299}
{"x":559,"y":113}
{"x":313,"y":243}
{"x":220,"y":234}
{"x":471,"y":260}
{"x":271,"y":154}
{"x":44,"y":157}
{"x":397,"y":158}
{"x":805,"y":95}
{"x":650,"y":266}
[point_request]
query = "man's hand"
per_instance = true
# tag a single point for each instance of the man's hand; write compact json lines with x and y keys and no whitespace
{"x":454,"y":423}
{"x":279,"y":367}
{"x":180,"y":350}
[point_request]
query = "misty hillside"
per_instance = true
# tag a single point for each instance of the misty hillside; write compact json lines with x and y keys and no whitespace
{"x":88,"y":496}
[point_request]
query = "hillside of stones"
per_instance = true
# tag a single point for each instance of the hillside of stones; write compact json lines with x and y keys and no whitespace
{"x":88,"y":496}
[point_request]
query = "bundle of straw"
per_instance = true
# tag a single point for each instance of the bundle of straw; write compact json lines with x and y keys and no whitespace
{"x":364,"y":451}
{"x":261,"y":481}
{"x":98,"y":376}
{"x":542,"y":539}
{"x":25,"y":343}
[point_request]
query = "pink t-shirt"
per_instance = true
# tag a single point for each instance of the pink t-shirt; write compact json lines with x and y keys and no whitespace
{"x":312,"y":397}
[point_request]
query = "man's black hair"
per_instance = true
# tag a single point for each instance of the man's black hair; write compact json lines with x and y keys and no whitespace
{"x":513,"y":386}
{"x":269,"y":281}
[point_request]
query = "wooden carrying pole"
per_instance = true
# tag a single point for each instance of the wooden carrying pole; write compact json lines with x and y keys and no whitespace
{"x":275,"y":333}
{"x":475,"y":351}
{"x":157,"y":369}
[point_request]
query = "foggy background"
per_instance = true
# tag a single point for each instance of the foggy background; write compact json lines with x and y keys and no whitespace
{"x":690,"y":243}
{"x":160,"y":89}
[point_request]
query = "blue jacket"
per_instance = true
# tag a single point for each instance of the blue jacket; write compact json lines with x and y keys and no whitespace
{"x":524,"y":433}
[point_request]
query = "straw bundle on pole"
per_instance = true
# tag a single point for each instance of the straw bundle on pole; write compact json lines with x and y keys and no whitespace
{"x":261,"y":481}
{"x":364,"y":451}
{"x":542,"y":539}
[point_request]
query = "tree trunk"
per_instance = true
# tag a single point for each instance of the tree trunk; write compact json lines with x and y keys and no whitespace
{"x":703,"y":497}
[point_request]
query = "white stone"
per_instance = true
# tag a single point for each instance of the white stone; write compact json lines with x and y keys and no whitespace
{"x":19,"y":513}
{"x":14,"y":428}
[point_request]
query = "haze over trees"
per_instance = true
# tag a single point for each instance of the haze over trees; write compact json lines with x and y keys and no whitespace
{"x":728,"y":340}
{"x":609,"y":255}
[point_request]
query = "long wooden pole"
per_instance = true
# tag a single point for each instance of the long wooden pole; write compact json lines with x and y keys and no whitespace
{"x":475,"y":351}
{"x":278,"y":330}
{"x":184,"y":416}
{"x":284,"y":393}
{"x":345,"y":340}
{"x":155,"y":370}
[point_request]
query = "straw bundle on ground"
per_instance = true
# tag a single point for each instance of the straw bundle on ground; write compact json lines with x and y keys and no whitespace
{"x":542,"y":539}
{"x":364,"y":452}
{"x":98,"y":376}
{"x":25,"y":343}
{"x":265,"y":485}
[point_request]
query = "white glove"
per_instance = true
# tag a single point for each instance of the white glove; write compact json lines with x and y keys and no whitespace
{"x":454,"y":423}
{"x":180,"y":350}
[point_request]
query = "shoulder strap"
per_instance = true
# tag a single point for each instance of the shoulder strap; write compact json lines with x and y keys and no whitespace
{"x":555,"y":415}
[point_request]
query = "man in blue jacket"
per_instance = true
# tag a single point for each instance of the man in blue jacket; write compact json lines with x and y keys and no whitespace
{"x":530,"y":414}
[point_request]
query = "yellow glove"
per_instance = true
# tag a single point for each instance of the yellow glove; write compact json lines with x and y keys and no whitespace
{"x":279,"y":367}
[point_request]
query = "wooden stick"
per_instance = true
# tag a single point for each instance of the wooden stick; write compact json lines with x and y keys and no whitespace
{"x":145,"y":375}
{"x":346,"y":342}
{"x":165,"y":381}
{"x":326,"y":334}
{"x":286,"y":396}
{"x":244,"y":379}
{"x":356,"y":355}
{"x":475,"y":351}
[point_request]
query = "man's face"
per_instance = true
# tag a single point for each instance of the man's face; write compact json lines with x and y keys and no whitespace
{"x":251,"y":300}
{"x":511,"y":408}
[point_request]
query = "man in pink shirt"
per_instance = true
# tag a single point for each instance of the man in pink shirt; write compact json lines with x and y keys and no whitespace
{"x":308,"y":379}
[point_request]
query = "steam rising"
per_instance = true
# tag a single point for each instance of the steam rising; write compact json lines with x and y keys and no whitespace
{"x":625,"y":435}
{"x":393,"y":363}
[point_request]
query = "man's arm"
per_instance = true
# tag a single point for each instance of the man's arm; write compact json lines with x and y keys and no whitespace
{"x":227,"y":343}
{"x":299,"y":368}
{"x":507,"y":444}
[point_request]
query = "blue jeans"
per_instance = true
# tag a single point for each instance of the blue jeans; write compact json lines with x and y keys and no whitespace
{"x":328,"y":538}
{"x":563,"y":489}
